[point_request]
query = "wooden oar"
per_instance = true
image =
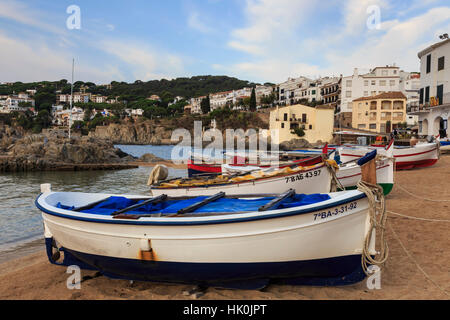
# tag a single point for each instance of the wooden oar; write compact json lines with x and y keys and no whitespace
{"x":277,"y":200}
{"x":152,"y":200}
{"x":199,"y":204}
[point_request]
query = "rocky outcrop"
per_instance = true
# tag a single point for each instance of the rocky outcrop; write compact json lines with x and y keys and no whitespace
{"x":295,"y":144}
{"x":139,"y":133}
{"x":150,"y":158}
{"x":9,"y":135}
{"x":54,"y":150}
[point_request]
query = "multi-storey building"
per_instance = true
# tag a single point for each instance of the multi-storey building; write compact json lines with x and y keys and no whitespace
{"x":434,"y":95}
{"x":381,"y":113}
{"x":316,"y":123}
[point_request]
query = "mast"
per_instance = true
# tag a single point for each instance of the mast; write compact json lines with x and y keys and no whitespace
{"x":71,"y":98}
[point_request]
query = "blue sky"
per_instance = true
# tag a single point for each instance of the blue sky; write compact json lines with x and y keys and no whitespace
{"x":256,"y":40}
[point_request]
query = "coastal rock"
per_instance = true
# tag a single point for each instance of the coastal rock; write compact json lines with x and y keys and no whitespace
{"x":50,"y":151}
{"x":295,"y":144}
{"x":149,"y":158}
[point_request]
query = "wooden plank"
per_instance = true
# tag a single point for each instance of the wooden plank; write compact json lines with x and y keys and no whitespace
{"x":277,"y":200}
{"x":199,"y":204}
{"x":160,"y":198}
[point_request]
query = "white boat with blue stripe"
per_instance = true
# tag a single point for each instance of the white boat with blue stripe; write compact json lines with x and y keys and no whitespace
{"x":222,"y":241}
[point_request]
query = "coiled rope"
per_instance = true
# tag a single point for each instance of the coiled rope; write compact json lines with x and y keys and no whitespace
{"x":377,"y":207}
{"x":332,"y":167}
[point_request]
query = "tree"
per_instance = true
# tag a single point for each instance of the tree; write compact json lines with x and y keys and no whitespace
{"x":205,"y":105}
{"x":252,"y":105}
{"x":299,"y":132}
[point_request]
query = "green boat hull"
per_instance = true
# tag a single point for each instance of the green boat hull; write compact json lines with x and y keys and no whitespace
{"x":387,"y":188}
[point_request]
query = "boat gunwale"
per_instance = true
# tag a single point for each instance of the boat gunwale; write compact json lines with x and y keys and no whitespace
{"x":274,"y":178}
{"x":164,"y":221}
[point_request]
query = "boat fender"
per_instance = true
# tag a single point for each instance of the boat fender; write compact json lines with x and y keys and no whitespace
{"x":159,"y":173}
{"x":46,"y":187}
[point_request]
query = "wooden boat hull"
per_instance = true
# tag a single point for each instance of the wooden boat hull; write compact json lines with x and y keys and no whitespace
{"x":350,"y":175}
{"x":314,"y":180}
{"x":205,"y":169}
{"x":318,"y":244}
{"x":421,"y":155}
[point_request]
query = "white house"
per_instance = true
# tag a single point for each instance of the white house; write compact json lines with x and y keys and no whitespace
{"x":434,"y":97}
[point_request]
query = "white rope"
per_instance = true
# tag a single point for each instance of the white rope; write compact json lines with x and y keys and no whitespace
{"x":377,"y":206}
{"x":416,"y":263}
{"x":418,"y":197}
{"x":417,"y":218}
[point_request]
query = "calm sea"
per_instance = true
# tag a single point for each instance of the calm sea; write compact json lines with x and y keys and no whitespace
{"x":21,"y":227}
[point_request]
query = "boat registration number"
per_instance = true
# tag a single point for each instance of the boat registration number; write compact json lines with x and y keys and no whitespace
{"x":302,"y":176}
{"x":336,"y":211}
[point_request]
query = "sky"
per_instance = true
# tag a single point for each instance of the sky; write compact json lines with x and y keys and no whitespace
{"x":255,"y":40}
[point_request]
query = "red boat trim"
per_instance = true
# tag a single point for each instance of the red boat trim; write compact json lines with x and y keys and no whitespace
{"x":358,"y":174}
{"x":414,"y":154}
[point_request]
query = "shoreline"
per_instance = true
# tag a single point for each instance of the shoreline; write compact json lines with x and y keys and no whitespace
{"x":31,"y":276}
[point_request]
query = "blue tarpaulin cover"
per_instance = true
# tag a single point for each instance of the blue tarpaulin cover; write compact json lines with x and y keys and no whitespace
{"x":114,"y":204}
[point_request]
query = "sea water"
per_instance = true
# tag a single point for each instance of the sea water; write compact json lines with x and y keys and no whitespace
{"x":21,"y":226}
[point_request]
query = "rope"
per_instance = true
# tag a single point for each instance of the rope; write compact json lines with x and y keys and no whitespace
{"x":416,"y":218}
{"x":418,"y":197}
{"x":335,"y":182}
{"x":377,"y":206}
{"x":415,"y":262}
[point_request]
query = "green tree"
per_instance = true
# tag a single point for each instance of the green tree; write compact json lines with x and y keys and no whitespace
{"x":299,"y":132}
{"x":252,"y":105}
{"x":205,"y":105}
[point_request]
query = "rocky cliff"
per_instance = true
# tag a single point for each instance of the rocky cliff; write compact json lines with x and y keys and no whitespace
{"x":139,"y":133}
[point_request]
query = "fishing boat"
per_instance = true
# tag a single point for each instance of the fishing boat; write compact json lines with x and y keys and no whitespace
{"x":444,"y":143}
{"x":204,"y":169}
{"x":348,"y":174}
{"x":420,"y":155}
{"x":221,"y":241}
{"x":310,"y":179}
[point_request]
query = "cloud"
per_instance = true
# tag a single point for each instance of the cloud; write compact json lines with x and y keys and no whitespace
{"x":145,"y":63}
{"x":195,"y":23}
{"x":23,"y":14}
{"x":34,"y":61}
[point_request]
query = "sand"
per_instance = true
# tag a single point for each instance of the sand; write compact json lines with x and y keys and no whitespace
{"x":423,"y":274}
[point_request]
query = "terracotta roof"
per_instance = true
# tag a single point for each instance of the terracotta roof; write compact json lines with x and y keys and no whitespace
{"x":384,"y":95}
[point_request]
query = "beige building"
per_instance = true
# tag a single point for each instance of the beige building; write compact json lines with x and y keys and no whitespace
{"x":317,"y":123}
{"x":380,"y":113}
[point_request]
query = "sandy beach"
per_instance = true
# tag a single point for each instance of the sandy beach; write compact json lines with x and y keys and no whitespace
{"x":418,"y":266}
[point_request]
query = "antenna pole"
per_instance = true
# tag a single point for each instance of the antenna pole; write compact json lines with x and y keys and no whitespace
{"x":71,"y":98}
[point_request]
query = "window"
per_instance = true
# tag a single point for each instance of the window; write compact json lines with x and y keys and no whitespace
{"x":282,"y":125}
{"x":285,"y":117}
{"x":440,"y":93}
{"x":429,"y":63}
{"x":441,"y":62}
{"x":366,"y":83}
{"x":373,"y":82}
{"x":361,"y":126}
{"x":304,"y":118}
{"x":348,"y":83}
{"x":384,"y":72}
{"x":392,"y":83}
{"x":373,"y":93}
{"x":382,"y":82}
{"x":366,"y":93}
{"x":310,"y":127}
{"x":314,"y":92}
{"x":373,"y":126}
{"x":427,"y":94}
{"x":348,"y":94}
{"x":395,"y":72}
